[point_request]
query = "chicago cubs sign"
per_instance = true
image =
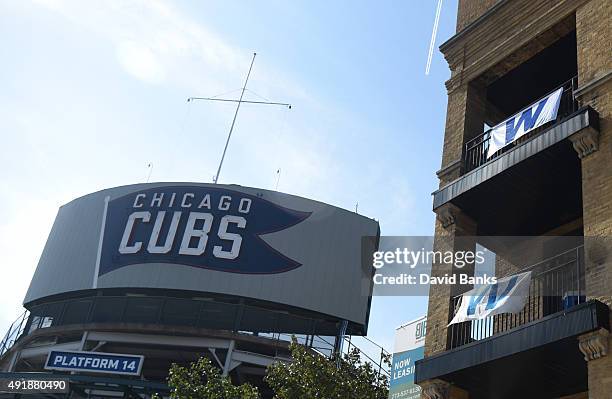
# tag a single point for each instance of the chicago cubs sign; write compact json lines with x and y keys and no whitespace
{"x":211,"y":240}
{"x":203,"y":227}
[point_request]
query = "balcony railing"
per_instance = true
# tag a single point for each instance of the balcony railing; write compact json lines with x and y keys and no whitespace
{"x":476,"y":150}
{"x":15,"y":330}
{"x":557,"y":283}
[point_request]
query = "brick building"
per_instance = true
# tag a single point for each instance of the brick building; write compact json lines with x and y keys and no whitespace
{"x":555,"y":181}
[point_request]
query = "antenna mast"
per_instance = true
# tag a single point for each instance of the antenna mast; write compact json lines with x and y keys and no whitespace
{"x":239,"y":101}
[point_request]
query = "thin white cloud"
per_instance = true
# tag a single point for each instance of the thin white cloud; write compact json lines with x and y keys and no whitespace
{"x":140,"y":61}
{"x":156,"y":43}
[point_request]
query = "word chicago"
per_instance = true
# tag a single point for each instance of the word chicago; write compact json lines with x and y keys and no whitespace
{"x":200,"y":212}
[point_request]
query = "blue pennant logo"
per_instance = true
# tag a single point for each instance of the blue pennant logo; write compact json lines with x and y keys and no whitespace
{"x":204,"y":227}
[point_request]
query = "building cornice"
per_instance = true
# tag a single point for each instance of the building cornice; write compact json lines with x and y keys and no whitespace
{"x":495,"y":36}
{"x":471,"y":26}
{"x":453,"y":168}
{"x":593,"y":84}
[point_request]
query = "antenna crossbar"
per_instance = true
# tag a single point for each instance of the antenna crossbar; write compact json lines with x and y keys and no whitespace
{"x":239,"y":102}
{"x":236,"y":101}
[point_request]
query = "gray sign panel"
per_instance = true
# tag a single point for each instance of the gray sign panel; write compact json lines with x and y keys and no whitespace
{"x":223,"y":239}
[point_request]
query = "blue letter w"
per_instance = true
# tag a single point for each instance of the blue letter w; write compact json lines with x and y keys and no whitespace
{"x":493,"y":298}
{"x":475,"y":299}
{"x":526,"y":118}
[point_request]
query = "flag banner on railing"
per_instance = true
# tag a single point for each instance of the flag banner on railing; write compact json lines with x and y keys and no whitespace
{"x":508,"y":295}
{"x":521,"y":123}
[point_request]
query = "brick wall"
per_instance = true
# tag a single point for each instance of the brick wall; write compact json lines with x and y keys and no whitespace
{"x":594,"y":36}
{"x":471,"y":57}
{"x":439,"y":297}
{"x":457,"y":236}
{"x":594,"y":41}
{"x":600,"y":376}
{"x":453,"y":134}
{"x":519,"y":30}
{"x":470,"y":10}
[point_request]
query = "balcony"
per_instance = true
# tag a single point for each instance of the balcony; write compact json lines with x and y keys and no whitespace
{"x":499,"y":356}
{"x":538,"y":174}
{"x":475,"y":153}
{"x":557,"y":284}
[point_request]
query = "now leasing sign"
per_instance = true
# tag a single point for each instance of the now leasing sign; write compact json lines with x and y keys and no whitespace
{"x":408,"y":348}
{"x":508,"y":295}
{"x":94,"y":362}
{"x":525,"y":121}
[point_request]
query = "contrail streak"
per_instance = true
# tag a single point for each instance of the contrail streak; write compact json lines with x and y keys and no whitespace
{"x":433,"y":37}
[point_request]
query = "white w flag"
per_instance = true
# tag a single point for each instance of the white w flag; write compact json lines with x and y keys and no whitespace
{"x":525,"y":121}
{"x":508,"y":295}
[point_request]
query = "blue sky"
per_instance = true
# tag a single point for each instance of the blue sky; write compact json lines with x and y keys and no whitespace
{"x":92,"y":92}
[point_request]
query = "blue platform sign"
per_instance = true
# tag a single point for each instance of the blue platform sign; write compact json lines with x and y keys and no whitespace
{"x":94,"y":362}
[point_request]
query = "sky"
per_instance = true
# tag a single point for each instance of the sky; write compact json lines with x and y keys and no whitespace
{"x":94,"y":92}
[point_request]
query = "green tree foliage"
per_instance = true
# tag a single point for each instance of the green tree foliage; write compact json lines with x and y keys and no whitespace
{"x":202,"y":380}
{"x":309,"y":376}
{"x":312,"y":376}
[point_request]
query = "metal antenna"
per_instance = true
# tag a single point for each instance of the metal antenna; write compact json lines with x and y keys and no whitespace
{"x":278,"y":174}
{"x":239,"y":101}
{"x":150,"y":167}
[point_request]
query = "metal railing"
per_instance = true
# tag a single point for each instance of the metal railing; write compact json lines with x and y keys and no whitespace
{"x":369,"y":351}
{"x":162,"y":310}
{"x":476,"y":150}
{"x":169,"y":311}
{"x":14,"y":332}
{"x":322,"y":345}
{"x":557,"y":284}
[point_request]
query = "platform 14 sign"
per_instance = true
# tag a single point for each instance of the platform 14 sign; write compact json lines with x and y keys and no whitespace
{"x":197,"y":226}
{"x":94,"y":362}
